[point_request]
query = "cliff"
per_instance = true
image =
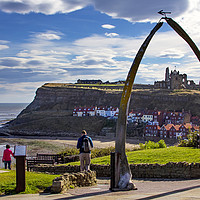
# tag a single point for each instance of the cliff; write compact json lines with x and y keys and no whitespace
{"x":51,"y":110}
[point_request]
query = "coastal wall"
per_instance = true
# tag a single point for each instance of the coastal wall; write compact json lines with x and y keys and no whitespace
{"x":181,"y":170}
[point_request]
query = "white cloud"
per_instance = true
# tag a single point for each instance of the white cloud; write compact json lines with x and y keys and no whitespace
{"x":15,"y":92}
{"x":190,"y":20}
{"x":111,"y":34}
{"x":136,"y":10}
{"x":2,"y":47}
{"x":47,"y":7}
{"x":108,"y":26}
{"x":3,"y":44}
{"x":133,"y":10}
{"x":48,"y":35}
{"x":187,"y":12}
{"x":101,"y":52}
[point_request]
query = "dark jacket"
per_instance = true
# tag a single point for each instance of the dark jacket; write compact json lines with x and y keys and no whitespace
{"x":80,"y":143}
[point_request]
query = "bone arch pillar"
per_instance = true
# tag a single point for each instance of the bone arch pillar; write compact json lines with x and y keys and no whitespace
{"x":125,"y":175}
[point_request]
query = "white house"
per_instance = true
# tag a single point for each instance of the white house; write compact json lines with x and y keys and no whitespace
{"x":91,"y":111}
{"x":147,"y":117}
{"x":101,"y":111}
{"x":78,"y":112}
{"x":110,"y":111}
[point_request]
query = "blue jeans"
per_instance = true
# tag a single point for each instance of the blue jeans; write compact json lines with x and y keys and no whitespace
{"x":7,"y":163}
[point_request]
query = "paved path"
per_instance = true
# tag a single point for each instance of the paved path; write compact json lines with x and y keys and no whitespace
{"x":2,"y":171}
{"x":147,"y":189}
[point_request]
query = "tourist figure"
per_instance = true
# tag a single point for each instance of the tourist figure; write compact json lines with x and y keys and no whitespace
{"x":6,"y":157}
{"x":85,"y":144}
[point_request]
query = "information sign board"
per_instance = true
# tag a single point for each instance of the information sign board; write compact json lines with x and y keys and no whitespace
{"x":20,"y":151}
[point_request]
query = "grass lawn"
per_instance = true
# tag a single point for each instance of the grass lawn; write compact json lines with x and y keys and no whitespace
{"x":35,"y":182}
{"x":160,"y":156}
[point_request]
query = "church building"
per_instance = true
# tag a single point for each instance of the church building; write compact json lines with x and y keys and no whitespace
{"x":174,"y":80}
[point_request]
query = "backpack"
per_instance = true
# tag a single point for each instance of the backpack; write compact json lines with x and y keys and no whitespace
{"x":86,"y":145}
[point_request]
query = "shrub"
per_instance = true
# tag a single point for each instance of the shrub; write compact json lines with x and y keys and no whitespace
{"x":162,"y":144}
{"x":191,"y":140}
{"x":153,"y":145}
{"x":95,"y":152}
{"x":70,"y":151}
{"x":100,"y":152}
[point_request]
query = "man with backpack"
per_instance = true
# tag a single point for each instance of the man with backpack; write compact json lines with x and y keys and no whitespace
{"x":85,"y":144}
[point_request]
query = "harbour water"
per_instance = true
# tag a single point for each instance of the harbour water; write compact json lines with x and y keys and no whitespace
{"x":9,"y":111}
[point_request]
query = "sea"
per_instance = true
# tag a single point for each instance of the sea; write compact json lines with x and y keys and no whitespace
{"x":9,"y":111}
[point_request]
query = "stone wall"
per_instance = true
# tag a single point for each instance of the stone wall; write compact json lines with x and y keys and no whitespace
{"x":67,"y":181}
{"x":172,"y":170}
{"x":181,"y":170}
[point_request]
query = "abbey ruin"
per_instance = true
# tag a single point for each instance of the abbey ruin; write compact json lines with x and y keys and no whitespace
{"x":174,"y":80}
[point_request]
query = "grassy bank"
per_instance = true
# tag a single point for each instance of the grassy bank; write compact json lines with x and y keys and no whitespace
{"x":160,"y":156}
{"x":35,"y":182}
{"x":35,"y":146}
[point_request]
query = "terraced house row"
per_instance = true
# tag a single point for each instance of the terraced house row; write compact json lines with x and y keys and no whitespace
{"x":104,"y":111}
{"x":154,"y":117}
{"x":170,"y":130}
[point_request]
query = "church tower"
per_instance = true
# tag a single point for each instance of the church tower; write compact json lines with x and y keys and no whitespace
{"x":167,"y":78}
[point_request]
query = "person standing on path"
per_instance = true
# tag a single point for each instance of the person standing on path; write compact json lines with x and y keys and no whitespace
{"x":6,"y":157}
{"x":85,"y":144}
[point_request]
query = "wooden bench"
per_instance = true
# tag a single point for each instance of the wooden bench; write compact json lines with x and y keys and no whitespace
{"x":57,"y":157}
{"x":31,"y":162}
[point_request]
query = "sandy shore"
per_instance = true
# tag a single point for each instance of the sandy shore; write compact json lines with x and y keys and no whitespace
{"x":99,"y":142}
{"x":55,"y":145}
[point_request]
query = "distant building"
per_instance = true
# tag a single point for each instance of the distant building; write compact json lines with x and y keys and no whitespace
{"x":84,"y":111}
{"x":101,"y":111}
{"x":170,"y":130}
{"x":111,"y":112}
{"x":155,"y":117}
{"x":152,"y":130}
{"x":174,"y":80}
{"x":79,"y":81}
{"x":104,"y":111}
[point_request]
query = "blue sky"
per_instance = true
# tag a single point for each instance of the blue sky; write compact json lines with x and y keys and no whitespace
{"x":64,"y":40}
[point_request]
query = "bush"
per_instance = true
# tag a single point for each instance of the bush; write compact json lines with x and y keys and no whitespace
{"x":100,"y":152}
{"x":153,"y":145}
{"x":162,"y":144}
{"x":70,"y":151}
{"x":95,"y":152}
{"x":191,"y":140}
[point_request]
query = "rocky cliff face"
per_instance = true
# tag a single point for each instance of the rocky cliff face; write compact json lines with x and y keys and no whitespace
{"x":65,"y":98}
{"x":51,"y":110}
